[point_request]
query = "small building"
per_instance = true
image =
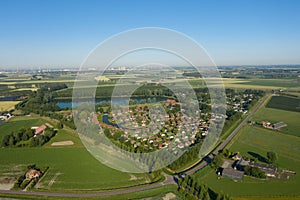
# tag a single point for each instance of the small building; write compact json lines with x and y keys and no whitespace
{"x":233,"y":174}
{"x":32,"y":174}
{"x":6,"y":117}
{"x":171,"y":102}
{"x":227,"y":164}
{"x":40,"y":130}
{"x":266,"y":124}
{"x":241,"y":164}
{"x":279,"y":125}
{"x":237,"y":156}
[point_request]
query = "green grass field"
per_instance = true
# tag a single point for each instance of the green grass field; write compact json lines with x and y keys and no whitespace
{"x":71,"y":169}
{"x":276,"y":115}
{"x":284,"y":103}
{"x":65,"y":135}
{"x":152,"y":194}
{"x":259,"y":140}
{"x":284,"y":83}
{"x":16,"y":123}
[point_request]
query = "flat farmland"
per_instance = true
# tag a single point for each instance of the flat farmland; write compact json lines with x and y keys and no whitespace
{"x":8,"y":105}
{"x":70,"y":169}
{"x":260,"y":141}
{"x":16,"y":123}
{"x":273,"y":115}
{"x":284,"y":103}
{"x":284,"y":83}
{"x":65,"y":135}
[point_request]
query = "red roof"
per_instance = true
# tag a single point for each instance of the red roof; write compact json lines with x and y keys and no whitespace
{"x":40,"y":129}
{"x":172,"y":102}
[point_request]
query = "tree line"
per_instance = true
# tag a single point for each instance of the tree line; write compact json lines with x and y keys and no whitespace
{"x":25,"y":137}
{"x":192,"y":189}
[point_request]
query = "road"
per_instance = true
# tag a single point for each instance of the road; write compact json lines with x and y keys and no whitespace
{"x":230,"y":137}
{"x":168,"y":179}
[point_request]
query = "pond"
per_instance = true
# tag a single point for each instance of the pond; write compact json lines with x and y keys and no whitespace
{"x":9,"y":98}
{"x":106,"y":121}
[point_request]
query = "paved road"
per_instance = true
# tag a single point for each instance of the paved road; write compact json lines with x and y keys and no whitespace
{"x":169,"y":179}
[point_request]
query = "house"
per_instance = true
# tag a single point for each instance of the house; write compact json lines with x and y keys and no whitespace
{"x":32,"y":173}
{"x":181,"y":145}
{"x":266,"y":124}
{"x":171,"y":102}
{"x":6,"y":117}
{"x":232,"y":174}
{"x":40,"y":130}
{"x":237,"y":156}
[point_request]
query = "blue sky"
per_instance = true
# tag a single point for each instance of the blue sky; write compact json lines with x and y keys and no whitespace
{"x":62,"y":33}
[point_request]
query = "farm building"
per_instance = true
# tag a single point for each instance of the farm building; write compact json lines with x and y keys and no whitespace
{"x":279,"y":125}
{"x":232,"y":174}
{"x":241,"y":164}
{"x":5,"y":116}
{"x":32,"y":173}
{"x":40,"y":130}
{"x":268,"y":169}
{"x":237,"y":156}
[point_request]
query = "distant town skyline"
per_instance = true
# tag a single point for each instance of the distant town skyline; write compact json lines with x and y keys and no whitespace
{"x":52,"y":33}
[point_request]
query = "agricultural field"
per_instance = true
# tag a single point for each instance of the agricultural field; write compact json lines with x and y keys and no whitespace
{"x":8,"y":105}
{"x":260,"y":141}
{"x":64,"y":135}
{"x":70,"y":169}
{"x":16,"y":123}
{"x":284,"y":103}
{"x":165,"y":192}
{"x":283,"y":83}
{"x":273,"y":115}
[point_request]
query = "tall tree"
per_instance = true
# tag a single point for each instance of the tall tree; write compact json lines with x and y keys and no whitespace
{"x":271,"y":157}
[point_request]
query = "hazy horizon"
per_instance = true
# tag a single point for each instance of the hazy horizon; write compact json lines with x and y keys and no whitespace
{"x":51,"y":34}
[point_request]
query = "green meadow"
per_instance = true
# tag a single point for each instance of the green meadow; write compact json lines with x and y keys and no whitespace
{"x":284,"y":103}
{"x":164,"y":192}
{"x":274,"y":115}
{"x":284,"y":83}
{"x":254,"y":139}
{"x":70,"y":169}
{"x":16,"y":123}
{"x":260,"y":141}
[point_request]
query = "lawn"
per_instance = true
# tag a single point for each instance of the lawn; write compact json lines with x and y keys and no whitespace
{"x":259,"y":140}
{"x":70,"y":169}
{"x":8,"y":105}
